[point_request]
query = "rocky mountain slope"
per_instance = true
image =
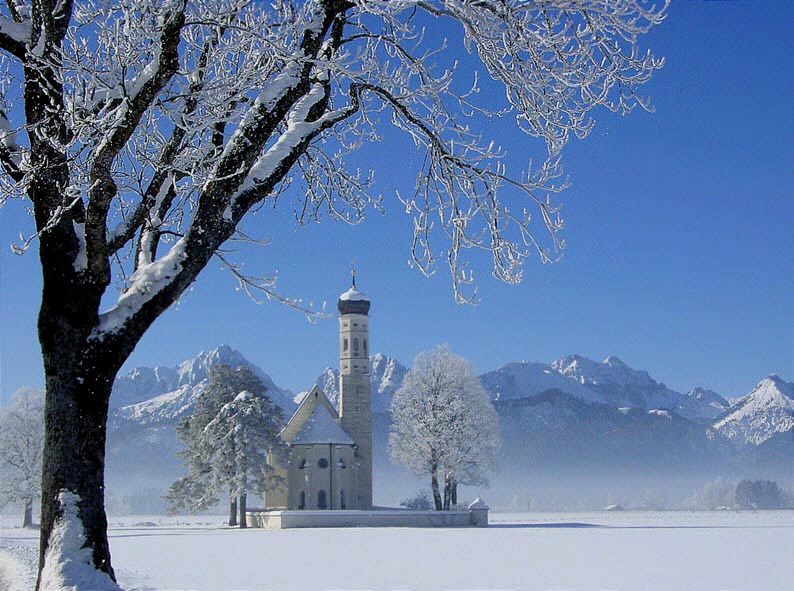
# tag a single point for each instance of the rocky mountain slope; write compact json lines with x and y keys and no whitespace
{"x":164,"y":395}
{"x":386,"y":375}
{"x":575,"y":416}
{"x":617,"y":383}
{"x":147,"y":403}
{"x":700,"y":404}
{"x":521,"y":380}
{"x":766,"y":411}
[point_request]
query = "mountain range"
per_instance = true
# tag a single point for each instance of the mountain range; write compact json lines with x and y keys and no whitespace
{"x":574,"y":415}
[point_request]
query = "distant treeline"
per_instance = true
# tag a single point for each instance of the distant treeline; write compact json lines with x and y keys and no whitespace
{"x":745,"y":494}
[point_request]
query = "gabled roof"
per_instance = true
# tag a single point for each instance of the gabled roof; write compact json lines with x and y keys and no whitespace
{"x":315,"y":421}
{"x":321,"y":427}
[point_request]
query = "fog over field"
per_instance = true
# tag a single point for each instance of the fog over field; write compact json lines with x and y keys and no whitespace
{"x":577,"y":435}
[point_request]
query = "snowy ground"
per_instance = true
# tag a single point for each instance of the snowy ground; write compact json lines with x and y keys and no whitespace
{"x":533,"y":552}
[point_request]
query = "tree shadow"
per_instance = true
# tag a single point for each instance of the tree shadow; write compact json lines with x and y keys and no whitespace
{"x":568,"y":525}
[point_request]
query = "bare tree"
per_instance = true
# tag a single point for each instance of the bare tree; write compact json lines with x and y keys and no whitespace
{"x":21,"y":446}
{"x":444,"y":425}
{"x":149,"y":129}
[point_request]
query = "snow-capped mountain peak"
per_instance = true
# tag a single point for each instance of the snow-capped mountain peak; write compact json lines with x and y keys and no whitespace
{"x":192,"y":371}
{"x":524,"y":379}
{"x":614,"y":361}
{"x":701,"y":404}
{"x":386,"y":375}
{"x":767,"y":410}
{"x":617,"y":383}
{"x":143,"y":383}
{"x":156,"y":395}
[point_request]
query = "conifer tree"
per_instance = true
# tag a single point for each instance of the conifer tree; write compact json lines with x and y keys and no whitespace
{"x":240,"y":438}
{"x":195,"y":491}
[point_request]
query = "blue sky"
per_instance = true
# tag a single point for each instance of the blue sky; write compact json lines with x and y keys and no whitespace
{"x":680,"y":231}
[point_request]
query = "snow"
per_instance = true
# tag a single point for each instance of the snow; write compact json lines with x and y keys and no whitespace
{"x":386,"y":375}
{"x":7,"y":134}
{"x":168,"y":406}
{"x":19,"y":32}
{"x":161,"y":394}
{"x":321,"y":427}
{"x":67,"y":564}
{"x":618,"y":383}
{"x":353,"y":295}
{"x":478,"y":504}
{"x":13,"y":574}
{"x":701,"y":404}
{"x":619,"y":551}
{"x":146,"y":282}
{"x":523,"y":379}
{"x":767,"y":410}
{"x":297,"y":130}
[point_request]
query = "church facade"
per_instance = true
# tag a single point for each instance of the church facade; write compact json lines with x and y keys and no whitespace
{"x":329,"y":450}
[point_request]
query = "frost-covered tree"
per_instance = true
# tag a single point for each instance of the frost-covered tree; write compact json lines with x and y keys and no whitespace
{"x":444,"y":425}
{"x":718,"y":493}
{"x":142,"y":133}
{"x":194,"y":492}
{"x":21,"y":447}
{"x":242,"y":436}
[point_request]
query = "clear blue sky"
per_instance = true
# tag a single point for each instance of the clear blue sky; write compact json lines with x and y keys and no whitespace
{"x":680,"y":230}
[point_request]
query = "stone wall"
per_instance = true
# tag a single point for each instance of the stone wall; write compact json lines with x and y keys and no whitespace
{"x":476,"y":517}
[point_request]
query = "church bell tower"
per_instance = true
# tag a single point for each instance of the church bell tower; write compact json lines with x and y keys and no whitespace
{"x":355,"y":396}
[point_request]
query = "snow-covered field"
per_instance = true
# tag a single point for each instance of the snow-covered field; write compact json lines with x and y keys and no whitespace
{"x":748,"y":551}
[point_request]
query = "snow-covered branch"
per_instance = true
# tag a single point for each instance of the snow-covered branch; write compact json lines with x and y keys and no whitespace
{"x":152,"y":128}
{"x":14,"y":34}
{"x":186,"y":116}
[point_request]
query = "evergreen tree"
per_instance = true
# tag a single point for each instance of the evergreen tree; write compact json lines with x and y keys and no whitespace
{"x":196,"y":491}
{"x":759,"y":494}
{"x":241,"y":436}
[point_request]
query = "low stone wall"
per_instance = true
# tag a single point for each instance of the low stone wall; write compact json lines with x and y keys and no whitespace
{"x":282,"y":519}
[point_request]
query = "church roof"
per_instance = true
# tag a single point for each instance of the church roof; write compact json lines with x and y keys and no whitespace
{"x":321,"y":427}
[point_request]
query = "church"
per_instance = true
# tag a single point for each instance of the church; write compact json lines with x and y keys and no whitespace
{"x":329,"y":451}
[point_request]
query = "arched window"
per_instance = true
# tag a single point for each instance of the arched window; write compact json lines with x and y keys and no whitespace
{"x":355,"y":344}
{"x":302,"y":500}
{"x":365,"y":346}
{"x":322,"y":502}
{"x":342,"y":503}
{"x":344,"y":344}
{"x":322,"y":462}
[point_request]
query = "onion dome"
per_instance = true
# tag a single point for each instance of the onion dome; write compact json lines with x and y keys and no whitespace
{"x":353,"y":301}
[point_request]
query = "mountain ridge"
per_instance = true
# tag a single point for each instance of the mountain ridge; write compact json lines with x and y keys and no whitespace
{"x":557,"y":428}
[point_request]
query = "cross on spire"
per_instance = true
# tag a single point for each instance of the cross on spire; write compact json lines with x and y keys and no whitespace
{"x":353,"y":275}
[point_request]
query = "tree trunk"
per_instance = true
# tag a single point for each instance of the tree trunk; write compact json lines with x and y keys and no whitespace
{"x":73,"y":466}
{"x":454,"y":493}
{"x":243,"y":521}
{"x":27,"y":520}
{"x":434,"y":487}
{"x":232,"y":510}
{"x":446,"y":493}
